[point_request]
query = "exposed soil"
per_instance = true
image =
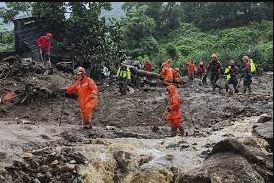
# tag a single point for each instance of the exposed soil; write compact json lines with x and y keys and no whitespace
{"x":35,"y":125}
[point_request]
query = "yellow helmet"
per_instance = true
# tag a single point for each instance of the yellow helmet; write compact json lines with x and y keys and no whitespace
{"x":80,"y":70}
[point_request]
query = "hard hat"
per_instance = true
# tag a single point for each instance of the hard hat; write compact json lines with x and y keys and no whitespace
{"x":80,"y":70}
{"x":245,"y":58}
{"x":49,"y":35}
{"x":213,"y":55}
{"x":232,"y":62}
{"x":177,"y":69}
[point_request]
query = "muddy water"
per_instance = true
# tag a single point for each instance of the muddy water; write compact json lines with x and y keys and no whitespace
{"x":183,"y":153}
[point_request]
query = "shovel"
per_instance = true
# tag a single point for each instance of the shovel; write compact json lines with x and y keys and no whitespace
{"x":156,"y":128}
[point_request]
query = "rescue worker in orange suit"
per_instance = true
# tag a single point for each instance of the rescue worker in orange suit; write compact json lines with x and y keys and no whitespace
{"x":166,"y":72}
{"x":190,"y":70}
{"x":174,"y":114}
{"x":44,"y":45}
{"x":87,"y":92}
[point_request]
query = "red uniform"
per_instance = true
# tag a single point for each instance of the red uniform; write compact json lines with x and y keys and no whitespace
{"x":147,"y":66}
{"x":174,"y":115}
{"x":44,"y":43}
{"x":87,"y":92}
{"x":167,"y":72}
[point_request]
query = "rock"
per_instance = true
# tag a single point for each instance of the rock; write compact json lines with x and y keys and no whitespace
{"x":264,"y":118}
{"x":123,"y":160}
{"x":42,"y":177}
{"x":43,"y":169}
{"x":23,"y":121}
{"x":54,"y":163}
{"x":36,"y":180}
{"x":265,"y":131}
{"x":68,"y":167}
{"x":27,"y":156}
{"x":78,"y":157}
{"x":3,"y":155}
{"x":110,"y":127}
{"x":222,"y":167}
{"x":231,"y":161}
{"x":72,"y":162}
{"x":144,"y":159}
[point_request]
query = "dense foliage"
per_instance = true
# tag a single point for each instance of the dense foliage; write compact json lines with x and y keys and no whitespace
{"x":6,"y":39}
{"x":157,"y":30}
{"x":197,"y":29}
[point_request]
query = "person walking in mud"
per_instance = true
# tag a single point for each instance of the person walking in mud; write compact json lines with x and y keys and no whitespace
{"x":191,"y":70}
{"x":124,"y":77}
{"x":174,"y":114}
{"x":231,"y":76}
{"x":87,"y":92}
{"x":247,"y":75}
{"x":215,"y":68}
{"x":201,"y":72}
{"x":166,"y":72}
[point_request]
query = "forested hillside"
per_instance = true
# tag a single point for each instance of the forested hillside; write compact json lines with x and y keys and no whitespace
{"x":156,"y":30}
{"x":194,"y":30}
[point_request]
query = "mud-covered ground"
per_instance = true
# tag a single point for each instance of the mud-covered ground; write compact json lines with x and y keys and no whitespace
{"x":36,"y":125}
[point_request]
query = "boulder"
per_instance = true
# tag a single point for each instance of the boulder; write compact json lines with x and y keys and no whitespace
{"x":123,"y":159}
{"x":265,"y":131}
{"x":264,"y":118}
{"x":231,"y":161}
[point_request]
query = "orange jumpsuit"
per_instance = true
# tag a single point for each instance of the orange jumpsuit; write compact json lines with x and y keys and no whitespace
{"x":174,"y":115}
{"x":190,"y":69}
{"x":87,"y":92}
{"x":167,"y":73}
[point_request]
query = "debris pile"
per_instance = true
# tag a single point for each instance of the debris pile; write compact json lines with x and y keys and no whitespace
{"x":25,"y":80}
{"x":48,"y":166}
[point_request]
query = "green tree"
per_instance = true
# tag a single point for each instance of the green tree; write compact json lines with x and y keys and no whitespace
{"x":138,"y":29}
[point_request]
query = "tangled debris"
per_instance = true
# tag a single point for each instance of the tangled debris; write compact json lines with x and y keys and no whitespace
{"x":48,"y":166}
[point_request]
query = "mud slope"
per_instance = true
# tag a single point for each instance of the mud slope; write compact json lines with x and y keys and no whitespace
{"x":36,"y":125}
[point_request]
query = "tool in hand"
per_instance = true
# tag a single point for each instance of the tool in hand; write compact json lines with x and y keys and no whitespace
{"x":156,"y":128}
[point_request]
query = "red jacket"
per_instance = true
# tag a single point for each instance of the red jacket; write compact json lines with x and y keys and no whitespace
{"x":148,"y":66}
{"x":44,"y":43}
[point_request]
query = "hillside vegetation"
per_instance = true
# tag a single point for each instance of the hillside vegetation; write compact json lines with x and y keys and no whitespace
{"x":156,"y":30}
{"x":188,"y":41}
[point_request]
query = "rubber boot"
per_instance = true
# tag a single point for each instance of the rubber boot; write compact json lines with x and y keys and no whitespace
{"x":182,"y":131}
{"x":173,"y":132}
{"x":249,"y":89}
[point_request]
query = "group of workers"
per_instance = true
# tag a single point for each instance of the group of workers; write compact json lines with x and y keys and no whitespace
{"x":87,"y":90}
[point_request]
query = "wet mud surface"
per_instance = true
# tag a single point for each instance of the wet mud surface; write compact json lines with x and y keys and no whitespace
{"x":208,"y":117}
